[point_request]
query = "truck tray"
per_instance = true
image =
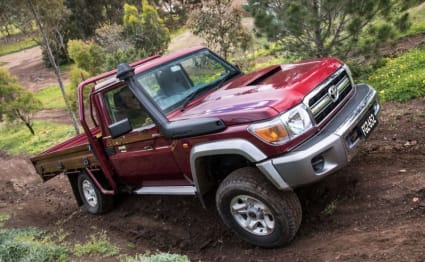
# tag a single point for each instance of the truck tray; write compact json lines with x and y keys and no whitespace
{"x":71,"y":155}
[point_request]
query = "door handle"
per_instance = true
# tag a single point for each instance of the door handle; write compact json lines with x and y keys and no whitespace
{"x":147,"y":148}
{"x":122,"y":149}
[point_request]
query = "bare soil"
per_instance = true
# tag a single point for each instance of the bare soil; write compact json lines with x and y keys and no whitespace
{"x":374,"y":209}
{"x":27,"y":65}
{"x":402,"y":45}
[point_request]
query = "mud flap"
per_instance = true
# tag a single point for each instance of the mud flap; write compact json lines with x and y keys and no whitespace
{"x":73,"y":181}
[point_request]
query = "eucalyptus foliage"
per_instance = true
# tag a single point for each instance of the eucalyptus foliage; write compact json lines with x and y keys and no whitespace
{"x":145,"y":29}
{"x":220,"y":25}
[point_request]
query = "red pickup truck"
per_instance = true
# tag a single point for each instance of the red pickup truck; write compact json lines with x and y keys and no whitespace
{"x":190,"y":123}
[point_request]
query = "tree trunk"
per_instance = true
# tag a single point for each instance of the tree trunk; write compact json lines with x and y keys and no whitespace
{"x":53,"y":63}
{"x":62,"y":43}
{"x":317,"y":31}
{"x":26,"y":121}
{"x":30,"y":128}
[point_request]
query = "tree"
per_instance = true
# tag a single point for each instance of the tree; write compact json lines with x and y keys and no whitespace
{"x":145,"y":29}
{"x":53,"y":15}
{"x":14,"y":15}
{"x":35,"y":12}
{"x":317,"y":28}
{"x":16,"y":103}
{"x":221,"y":27}
{"x":175,"y":12}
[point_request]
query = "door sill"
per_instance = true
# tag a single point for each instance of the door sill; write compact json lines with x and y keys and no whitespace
{"x":166,"y":190}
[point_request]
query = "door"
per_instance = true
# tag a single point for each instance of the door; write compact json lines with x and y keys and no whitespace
{"x":142,"y":157}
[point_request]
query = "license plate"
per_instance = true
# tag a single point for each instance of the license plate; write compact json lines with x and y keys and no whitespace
{"x":368,"y":124}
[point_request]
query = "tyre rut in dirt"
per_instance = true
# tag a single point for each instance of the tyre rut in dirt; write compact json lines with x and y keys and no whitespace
{"x":256,"y":211}
{"x":93,"y":200}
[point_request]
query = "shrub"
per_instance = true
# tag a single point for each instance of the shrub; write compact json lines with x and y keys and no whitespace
{"x":401,"y":78}
{"x":88,"y":56}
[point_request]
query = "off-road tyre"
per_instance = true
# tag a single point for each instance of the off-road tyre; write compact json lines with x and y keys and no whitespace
{"x":282,"y":207}
{"x":94,"y":201}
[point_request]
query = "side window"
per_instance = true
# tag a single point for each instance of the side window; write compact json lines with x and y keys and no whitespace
{"x":121,"y":104}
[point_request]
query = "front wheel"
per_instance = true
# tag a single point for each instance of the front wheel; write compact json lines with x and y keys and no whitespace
{"x":94,"y":201}
{"x":259,"y":213}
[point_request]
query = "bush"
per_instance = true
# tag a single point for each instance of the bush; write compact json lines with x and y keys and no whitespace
{"x":76,"y":76}
{"x":401,"y":78}
{"x":88,"y":56}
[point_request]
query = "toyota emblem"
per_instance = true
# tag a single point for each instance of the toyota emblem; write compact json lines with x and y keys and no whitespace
{"x":333,"y":93}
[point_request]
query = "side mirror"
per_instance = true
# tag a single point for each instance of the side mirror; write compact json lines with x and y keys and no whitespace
{"x":120,"y":128}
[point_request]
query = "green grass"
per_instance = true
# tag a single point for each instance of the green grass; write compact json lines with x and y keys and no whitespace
{"x":98,"y":244}
{"x":29,"y":244}
{"x":401,"y":78}
{"x":51,"y":97}
{"x":33,"y":244}
{"x":17,"y":139}
{"x":160,"y":257}
{"x":3,"y":218}
{"x":18,"y":46}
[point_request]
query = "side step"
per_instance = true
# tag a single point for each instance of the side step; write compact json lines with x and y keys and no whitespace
{"x":166,"y":190}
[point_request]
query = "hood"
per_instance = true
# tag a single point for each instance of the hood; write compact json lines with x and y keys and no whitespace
{"x":262,"y":94}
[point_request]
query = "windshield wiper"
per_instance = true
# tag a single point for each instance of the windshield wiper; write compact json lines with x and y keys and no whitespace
{"x":207,"y":87}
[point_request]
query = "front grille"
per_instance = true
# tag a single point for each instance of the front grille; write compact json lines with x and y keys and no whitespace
{"x":323,"y":100}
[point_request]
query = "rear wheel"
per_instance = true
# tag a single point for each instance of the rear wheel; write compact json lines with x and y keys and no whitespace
{"x":94,"y":201}
{"x":259,"y":213}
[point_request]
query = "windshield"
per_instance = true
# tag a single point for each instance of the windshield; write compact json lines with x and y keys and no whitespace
{"x":169,"y":85}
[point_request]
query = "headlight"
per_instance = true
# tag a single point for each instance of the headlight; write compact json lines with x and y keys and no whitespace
{"x":287,"y":126}
{"x":297,"y":120}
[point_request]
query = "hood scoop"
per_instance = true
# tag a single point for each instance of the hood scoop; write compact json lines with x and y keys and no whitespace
{"x":265,"y":76}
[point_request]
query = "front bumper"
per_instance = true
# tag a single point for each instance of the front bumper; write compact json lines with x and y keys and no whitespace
{"x":329,"y":150}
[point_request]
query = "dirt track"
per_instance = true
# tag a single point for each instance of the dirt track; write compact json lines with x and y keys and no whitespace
{"x":379,"y":212}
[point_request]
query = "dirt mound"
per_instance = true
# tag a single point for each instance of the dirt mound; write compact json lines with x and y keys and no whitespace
{"x":372,"y":210}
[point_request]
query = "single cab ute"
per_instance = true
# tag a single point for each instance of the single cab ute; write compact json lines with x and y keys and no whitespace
{"x":190,"y":123}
